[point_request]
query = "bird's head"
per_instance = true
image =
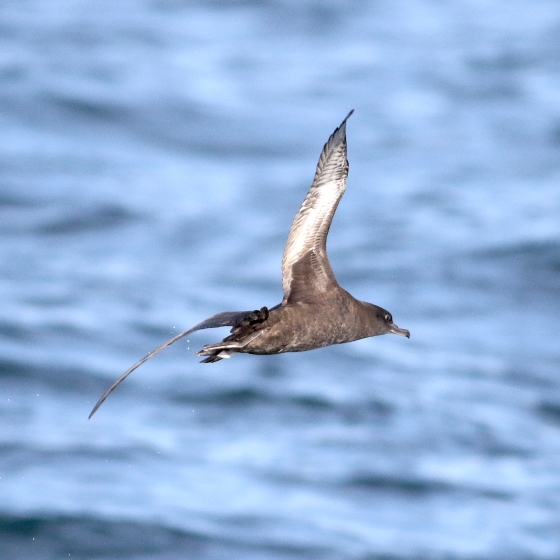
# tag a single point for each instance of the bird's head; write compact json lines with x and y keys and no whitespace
{"x":381,"y":321}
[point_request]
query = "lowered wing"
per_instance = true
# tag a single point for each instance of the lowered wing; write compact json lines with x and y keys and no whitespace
{"x":225,"y":319}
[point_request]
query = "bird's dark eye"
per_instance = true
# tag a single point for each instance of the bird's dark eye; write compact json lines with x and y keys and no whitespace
{"x":387,"y":317}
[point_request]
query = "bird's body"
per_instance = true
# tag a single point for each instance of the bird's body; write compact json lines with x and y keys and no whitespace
{"x":315,"y":311}
{"x":301,"y":326}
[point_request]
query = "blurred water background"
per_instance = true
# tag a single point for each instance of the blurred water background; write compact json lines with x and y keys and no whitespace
{"x":152,"y":157}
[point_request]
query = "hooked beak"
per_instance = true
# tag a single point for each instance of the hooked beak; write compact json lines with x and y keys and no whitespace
{"x":395,"y":330}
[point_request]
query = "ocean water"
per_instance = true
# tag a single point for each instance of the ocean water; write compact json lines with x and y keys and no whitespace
{"x":152,"y":157}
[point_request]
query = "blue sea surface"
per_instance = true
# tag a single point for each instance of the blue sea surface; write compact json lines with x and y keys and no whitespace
{"x":152,"y":157}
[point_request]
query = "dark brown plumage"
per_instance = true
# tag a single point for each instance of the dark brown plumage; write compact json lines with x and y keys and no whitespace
{"x":315,"y":310}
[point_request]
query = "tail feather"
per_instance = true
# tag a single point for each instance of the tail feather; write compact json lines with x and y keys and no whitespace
{"x":211,"y":359}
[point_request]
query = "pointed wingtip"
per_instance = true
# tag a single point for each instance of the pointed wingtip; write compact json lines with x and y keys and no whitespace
{"x":341,"y":128}
{"x":347,"y":117}
{"x":137,"y":365}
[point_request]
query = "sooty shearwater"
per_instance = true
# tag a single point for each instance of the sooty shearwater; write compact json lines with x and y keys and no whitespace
{"x":315,"y":311}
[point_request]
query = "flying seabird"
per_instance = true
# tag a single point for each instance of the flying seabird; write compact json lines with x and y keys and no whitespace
{"x":315,"y":310}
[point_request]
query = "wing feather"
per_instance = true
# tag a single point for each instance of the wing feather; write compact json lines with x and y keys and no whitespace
{"x":225,"y":319}
{"x":312,"y":223}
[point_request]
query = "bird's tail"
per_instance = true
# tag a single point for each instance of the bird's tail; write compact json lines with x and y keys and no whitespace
{"x":245,"y":331}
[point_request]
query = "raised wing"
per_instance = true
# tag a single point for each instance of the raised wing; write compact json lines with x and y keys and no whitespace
{"x":306,"y":270}
{"x":225,"y":319}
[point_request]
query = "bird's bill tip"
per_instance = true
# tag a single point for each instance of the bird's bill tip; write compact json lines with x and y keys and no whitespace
{"x":397,"y":330}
